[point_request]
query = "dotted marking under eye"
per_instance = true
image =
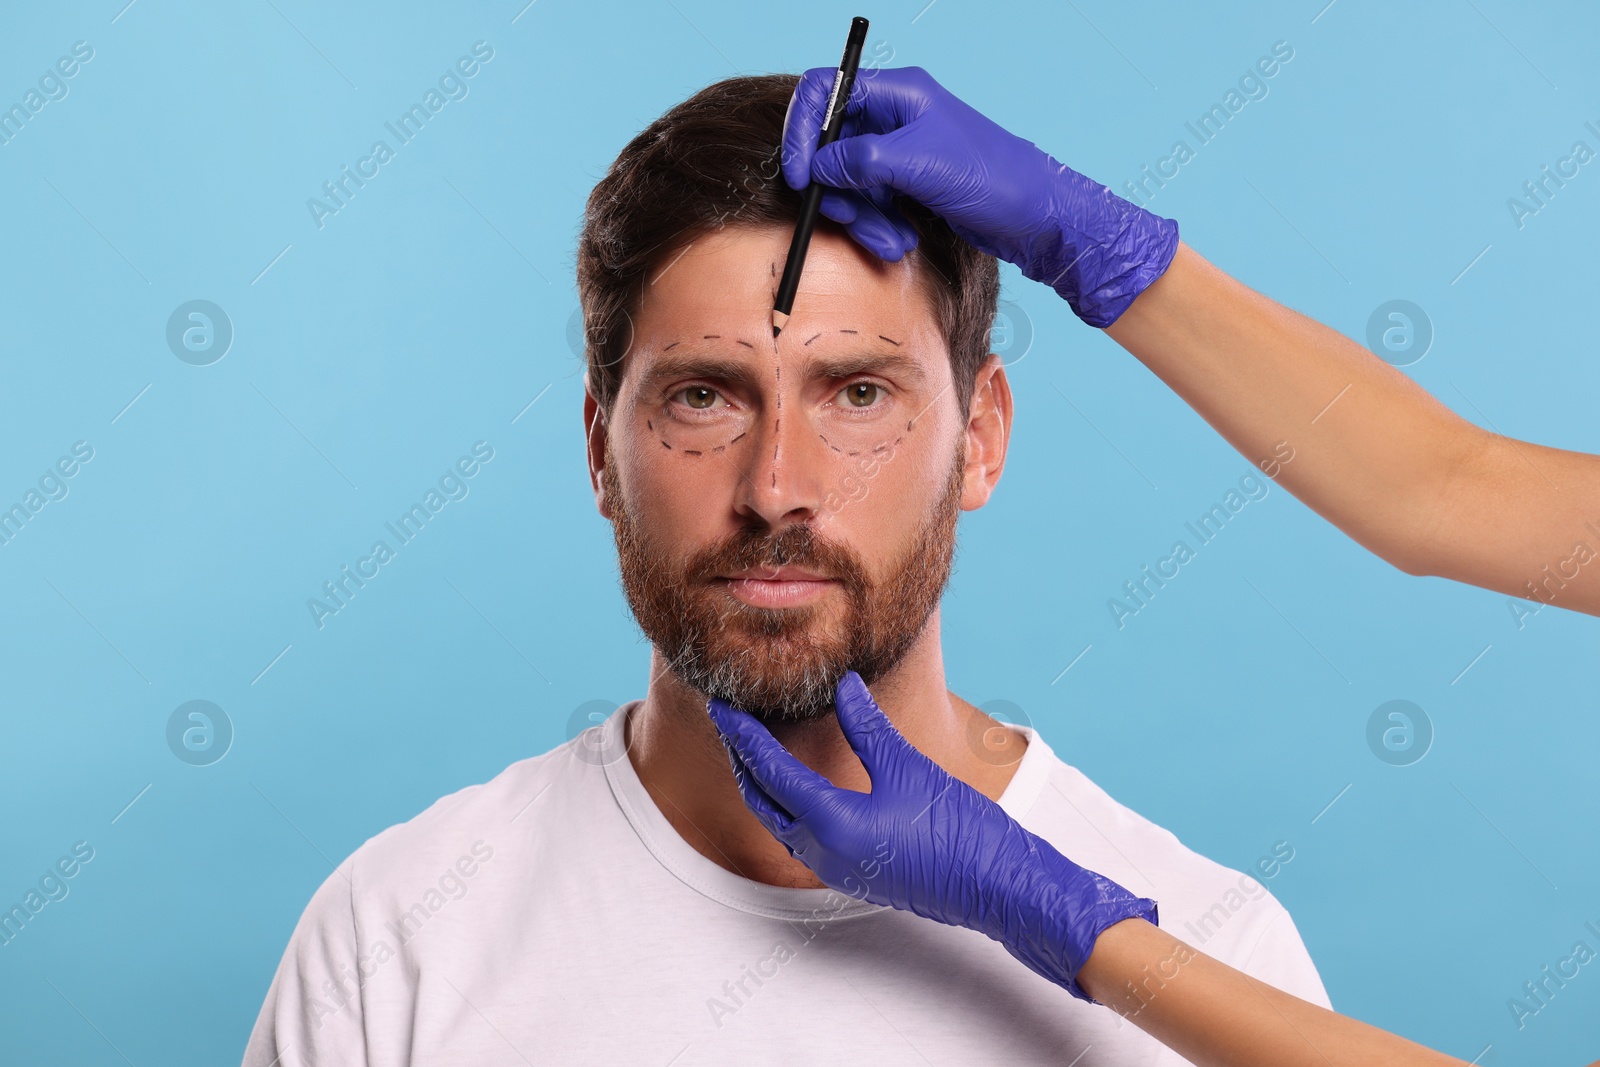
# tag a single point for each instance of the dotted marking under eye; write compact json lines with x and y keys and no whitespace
{"x":879,"y":448}
{"x":664,"y":444}
{"x":891,"y":340}
{"x":815,"y":336}
{"x":711,"y":336}
{"x":849,"y":331}
{"x":673,"y":345}
{"x":747,"y":344}
{"x":691,"y":452}
{"x":719,"y":448}
{"x":647,"y":422}
{"x":736,"y":438}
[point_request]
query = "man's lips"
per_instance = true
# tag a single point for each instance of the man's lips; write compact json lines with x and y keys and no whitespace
{"x":779,"y":574}
{"x":783,"y":587}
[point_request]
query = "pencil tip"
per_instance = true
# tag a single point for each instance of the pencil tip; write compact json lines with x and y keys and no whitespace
{"x":776,"y":330}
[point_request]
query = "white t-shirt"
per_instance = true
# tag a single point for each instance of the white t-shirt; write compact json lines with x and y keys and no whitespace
{"x":553,"y":915}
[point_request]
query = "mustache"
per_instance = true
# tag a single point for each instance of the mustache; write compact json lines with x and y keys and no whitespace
{"x":796,"y":545}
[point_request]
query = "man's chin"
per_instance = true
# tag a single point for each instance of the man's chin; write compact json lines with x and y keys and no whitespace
{"x":774,"y":710}
{"x":774,"y":679}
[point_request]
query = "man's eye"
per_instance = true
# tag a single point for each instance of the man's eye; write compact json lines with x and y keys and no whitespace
{"x":860,"y":394}
{"x":697,"y":396}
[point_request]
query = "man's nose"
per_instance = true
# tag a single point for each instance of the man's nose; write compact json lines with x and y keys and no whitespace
{"x":787,"y":469}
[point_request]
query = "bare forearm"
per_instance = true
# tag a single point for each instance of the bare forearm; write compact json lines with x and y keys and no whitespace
{"x":1373,"y":452}
{"x":1212,"y":1014}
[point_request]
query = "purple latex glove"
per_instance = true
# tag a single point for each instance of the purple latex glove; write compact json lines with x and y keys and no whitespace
{"x":924,"y":841}
{"x":905,"y":133}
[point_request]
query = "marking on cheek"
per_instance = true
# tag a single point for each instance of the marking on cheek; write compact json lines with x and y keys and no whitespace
{"x":736,"y":438}
{"x":711,"y":336}
{"x":664,"y":444}
{"x":815,"y":336}
{"x":650,"y":424}
{"x":719,"y":448}
{"x":673,"y":345}
{"x":691,"y":452}
{"x":891,"y":340}
{"x":830,"y":444}
{"x":908,"y":426}
{"x":747,"y":344}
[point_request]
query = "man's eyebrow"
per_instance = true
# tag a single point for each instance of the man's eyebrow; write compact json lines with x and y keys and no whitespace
{"x":889,"y":364}
{"x":688,"y":365}
{"x":744,"y":372}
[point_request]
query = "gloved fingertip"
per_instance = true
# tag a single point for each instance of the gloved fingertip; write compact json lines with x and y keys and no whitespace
{"x":853,"y":686}
{"x":723,"y":717}
{"x":871,"y":237}
{"x":840,"y":207}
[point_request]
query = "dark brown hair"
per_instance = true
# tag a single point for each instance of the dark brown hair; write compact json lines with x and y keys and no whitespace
{"x":711,"y":161}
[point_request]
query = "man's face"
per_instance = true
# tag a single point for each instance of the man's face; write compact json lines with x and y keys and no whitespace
{"x":785,"y":510}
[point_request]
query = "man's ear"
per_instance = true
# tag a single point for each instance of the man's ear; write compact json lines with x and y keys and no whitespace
{"x":594,"y":429}
{"x":988,"y":433}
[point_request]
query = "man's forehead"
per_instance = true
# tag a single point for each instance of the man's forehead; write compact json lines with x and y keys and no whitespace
{"x":710,"y":303}
{"x":736,"y":269}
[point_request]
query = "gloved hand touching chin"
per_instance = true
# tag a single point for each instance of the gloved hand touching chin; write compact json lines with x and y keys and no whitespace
{"x":904,"y":133}
{"x":924,"y":841}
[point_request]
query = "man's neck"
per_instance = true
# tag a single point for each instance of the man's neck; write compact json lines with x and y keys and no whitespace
{"x":681,"y":761}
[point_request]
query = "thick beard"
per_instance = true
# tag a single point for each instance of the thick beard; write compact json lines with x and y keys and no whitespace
{"x":782,"y":664}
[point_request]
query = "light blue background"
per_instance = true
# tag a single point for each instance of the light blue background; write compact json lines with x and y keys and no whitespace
{"x":428,"y":313}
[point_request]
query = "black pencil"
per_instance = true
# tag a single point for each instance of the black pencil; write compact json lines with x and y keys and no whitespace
{"x":832,"y":121}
